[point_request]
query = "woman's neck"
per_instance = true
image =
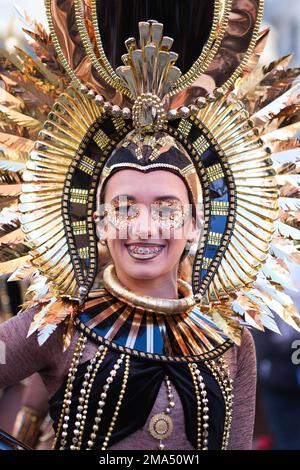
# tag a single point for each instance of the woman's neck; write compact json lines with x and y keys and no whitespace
{"x":163,"y":287}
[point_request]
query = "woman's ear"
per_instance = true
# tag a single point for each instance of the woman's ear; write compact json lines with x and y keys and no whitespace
{"x":195,"y":231}
{"x":96,"y":216}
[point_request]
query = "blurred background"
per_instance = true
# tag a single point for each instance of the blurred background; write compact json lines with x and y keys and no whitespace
{"x":283,"y":16}
{"x":278,"y":392}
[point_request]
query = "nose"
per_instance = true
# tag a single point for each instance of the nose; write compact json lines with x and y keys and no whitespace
{"x":143,"y":227}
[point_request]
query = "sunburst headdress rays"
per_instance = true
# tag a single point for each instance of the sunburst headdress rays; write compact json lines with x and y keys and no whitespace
{"x":233,"y":136}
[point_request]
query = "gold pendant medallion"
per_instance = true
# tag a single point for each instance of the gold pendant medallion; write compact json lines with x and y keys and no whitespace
{"x":161,"y":426}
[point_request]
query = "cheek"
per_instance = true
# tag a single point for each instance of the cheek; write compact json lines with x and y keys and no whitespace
{"x":116,"y":250}
{"x":116,"y":234}
{"x":178,"y":237}
{"x":175,"y":248}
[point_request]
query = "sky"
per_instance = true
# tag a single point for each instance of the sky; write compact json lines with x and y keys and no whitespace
{"x":9,"y":16}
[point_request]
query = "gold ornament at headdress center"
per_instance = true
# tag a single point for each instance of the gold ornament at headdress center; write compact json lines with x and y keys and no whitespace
{"x":149,"y":73}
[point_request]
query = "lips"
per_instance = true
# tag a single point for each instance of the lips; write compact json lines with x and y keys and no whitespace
{"x":144,"y":250}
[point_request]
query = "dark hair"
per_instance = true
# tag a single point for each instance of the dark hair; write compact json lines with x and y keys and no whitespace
{"x":188,"y":22}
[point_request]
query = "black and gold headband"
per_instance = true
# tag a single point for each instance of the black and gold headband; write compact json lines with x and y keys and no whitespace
{"x":153,"y":152}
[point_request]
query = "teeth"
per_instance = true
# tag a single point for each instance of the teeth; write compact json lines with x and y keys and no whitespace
{"x":138,"y":250}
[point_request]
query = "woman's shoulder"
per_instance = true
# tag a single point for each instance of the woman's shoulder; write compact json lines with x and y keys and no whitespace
{"x":21,"y":338}
{"x":243,"y":355}
{"x":246,"y":351}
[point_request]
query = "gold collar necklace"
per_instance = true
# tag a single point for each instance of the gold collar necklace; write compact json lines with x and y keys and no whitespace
{"x":151,"y":304}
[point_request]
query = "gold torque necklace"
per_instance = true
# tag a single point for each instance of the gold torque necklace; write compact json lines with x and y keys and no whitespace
{"x":151,"y":304}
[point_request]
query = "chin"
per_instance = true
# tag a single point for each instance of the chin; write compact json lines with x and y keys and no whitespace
{"x":143,"y":270}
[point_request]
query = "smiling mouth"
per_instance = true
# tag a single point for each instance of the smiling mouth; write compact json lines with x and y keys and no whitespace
{"x":144,"y":251}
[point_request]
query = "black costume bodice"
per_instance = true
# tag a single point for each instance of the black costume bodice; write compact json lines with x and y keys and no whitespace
{"x":145,"y":379}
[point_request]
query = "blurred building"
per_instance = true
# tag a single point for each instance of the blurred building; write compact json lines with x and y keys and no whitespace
{"x":284,"y":19}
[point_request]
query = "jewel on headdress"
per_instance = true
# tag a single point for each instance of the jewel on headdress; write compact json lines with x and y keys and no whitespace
{"x":149,"y":74}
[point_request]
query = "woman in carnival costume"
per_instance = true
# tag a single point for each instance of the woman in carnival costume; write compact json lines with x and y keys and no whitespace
{"x":166,"y":160}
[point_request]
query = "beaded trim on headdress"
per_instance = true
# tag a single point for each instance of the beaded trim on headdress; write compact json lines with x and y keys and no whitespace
{"x":233,"y":136}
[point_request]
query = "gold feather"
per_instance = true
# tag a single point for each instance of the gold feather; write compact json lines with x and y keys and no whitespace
{"x":259,"y":49}
{"x":248,"y":84}
{"x":25,"y":272}
{"x":279,"y":302}
{"x":9,"y":190}
{"x":14,"y":156}
{"x":12,"y":58}
{"x":15,"y":142}
{"x":277,"y":273}
{"x":39,"y":66}
{"x":20,"y":119}
{"x":8,"y":267}
{"x":7,"y":99}
{"x":41,"y":43}
{"x":33,"y":91}
{"x":251,"y":311}
{"x":285,"y":250}
{"x":222,"y":315}
{"x":12,"y":238}
{"x":50,"y":316}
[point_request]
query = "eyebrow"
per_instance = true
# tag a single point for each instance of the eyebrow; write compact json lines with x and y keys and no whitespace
{"x":127,"y":196}
{"x":161,"y":198}
{"x":167,"y":197}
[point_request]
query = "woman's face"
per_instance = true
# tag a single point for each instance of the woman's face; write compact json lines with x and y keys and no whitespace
{"x":148,"y":222}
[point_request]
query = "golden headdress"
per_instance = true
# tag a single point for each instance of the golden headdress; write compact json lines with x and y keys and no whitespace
{"x":68,"y":107}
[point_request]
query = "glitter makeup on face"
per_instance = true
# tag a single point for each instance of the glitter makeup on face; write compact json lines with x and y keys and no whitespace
{"x":168,"y":214}
{"x":122,"y":212}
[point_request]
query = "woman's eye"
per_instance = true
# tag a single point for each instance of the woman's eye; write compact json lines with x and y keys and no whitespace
{"x":122,"y":215}
{"x":133,"y":211}
{"x":129,"y":210}
{"x":166,"y":211}
{"x":170,"y":215}
{"x":121,"y":208}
